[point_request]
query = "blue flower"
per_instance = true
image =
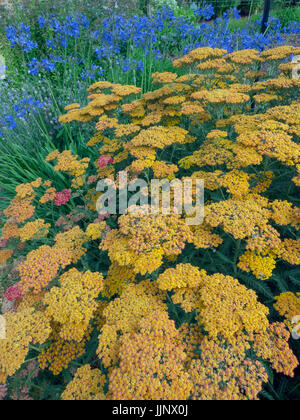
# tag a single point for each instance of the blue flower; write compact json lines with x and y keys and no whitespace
{"x":206,"y":12}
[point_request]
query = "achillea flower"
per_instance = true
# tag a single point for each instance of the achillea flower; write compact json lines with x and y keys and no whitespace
{"x":49,"y":195}
{"x":290,"y":251}
{"x":163,"y":78}
{"x":204,"y":237}
{"x":41,"y":267}
{"x":73,"y":303}
{"x":3,"y":242}
{"x":10,"y":230}
{"x":288,"y":305}
{"x":126,"y":130}
{"x":20,"y":209}
{"x":59,"y":352}
{"x":62,"y":197}
{"x":22,"y":328}
{"x":13,"y":293}
{"x":34,"y":230}
{"x":236,"y":182}
{"x":5,"y":254}
{"x":223,"y":372}
{"x":199,"y":54}
{"x":164,"y":170}
{"x":273,"y":346}
{"x":118,"y":277}
{"x":226,"y":308}
{"x":125,"y":90}
{"x":261,"y":264}
{"x":94,"y":230}
{"x":260,"y":240}
{"x":104,"y":161}
{"x":152,"y":363}
{"x":70,"y":164}
{"x":72,"y":106}
{"x":123,"y":315}
{"x":244,"y":57}
{"x":146,"y":232}
{"x":87,"y":385}
{"x":221,"y":96}
{"x":159,"y":137}
{"x":3,"y":392}
{"x":183,"y":276}
{"x":283,"y":213}
{"x":239,"y":217}
{"x":71,"y":241}
{"x":277,"y":53}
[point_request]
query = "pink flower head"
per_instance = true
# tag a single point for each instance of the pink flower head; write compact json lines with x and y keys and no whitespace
{"x":13,"y":293}
{"x":92,"y":179}
{"x":62,"y":197}
{"x":101,"y":217}
{"x":3,"y":242}
{"x":3,"y":391}
{"x":104,"y":161}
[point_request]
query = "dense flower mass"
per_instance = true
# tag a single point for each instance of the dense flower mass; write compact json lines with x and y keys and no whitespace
{"x":144,"y":305}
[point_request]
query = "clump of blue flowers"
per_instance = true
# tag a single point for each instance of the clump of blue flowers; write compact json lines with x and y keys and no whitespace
{"x":72,"y":49}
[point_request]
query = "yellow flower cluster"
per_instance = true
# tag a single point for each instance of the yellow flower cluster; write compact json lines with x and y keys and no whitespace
{"x":73,"y":304}
{"x":27,"y":190}
{"x":59,"y":352}
{"x":72,"y":242}
{"x":22,"y":328}
{"x":261,"y":265}
{"x":151,"y":366}
{"x":184,"y":275}
{"x":34,"y":230}
{"x":5,"y":254}
{"x":70,"y":164}
{"x":274,"y":347}
{"x":205,"y":238}
{"x":94,"y":230}
{"x":20,"y":209}
{"x":223,"y":373}
{"x":41,"y":267}
{"x":122,"y":316}
{"x":288,"y":305}
{"x":143,"y":240}
{"x":239,"y":217}
{"x":227,"y":308}
{"x":228,"y":123}
{"x":87,"y":385}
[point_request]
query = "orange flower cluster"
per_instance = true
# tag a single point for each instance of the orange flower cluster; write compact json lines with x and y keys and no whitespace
{"x":22,"y":328}
{"x":123,"y":314}
{"x":73,"y":304}
{"x":87,"y":385}
{"x":58,"y":353}
{"x":151,"y":363}
{"x":172,"y":313}
{"x":224,"y":373}
{"x":68,"y":163}
{"x":143,"y":240}
{"x":41,"y":267}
